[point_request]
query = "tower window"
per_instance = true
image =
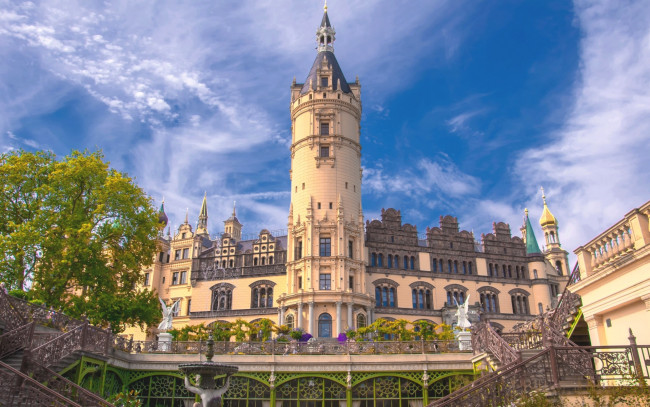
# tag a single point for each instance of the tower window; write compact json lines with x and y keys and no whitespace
{"x":303,"y":185}
{"x":325,"y":281}
{"x":324,"y":95}
{"x":350,"y":247}
{"x":319,"y":205}
{"x":325,"y":151}
{"x":325,"y":129}
{"x":346,"y":187}
{"x":325,"y":247}
{"x":331,"y":206}
{"x":324,"y":81}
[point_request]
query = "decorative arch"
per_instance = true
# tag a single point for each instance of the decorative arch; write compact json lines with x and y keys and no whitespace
{"x":258,"y":283}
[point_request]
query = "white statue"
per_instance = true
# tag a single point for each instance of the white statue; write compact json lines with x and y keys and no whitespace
{"x":168,"y":315}
{"x":207,"y":395}
{"x":461,"y":314}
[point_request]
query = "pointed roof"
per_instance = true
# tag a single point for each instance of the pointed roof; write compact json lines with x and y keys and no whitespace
{"x":531,"y":242}
{"x":163,"y":220}
{"x":337,"y":73}
{"x":326,"y":21}
{"x":204,"y":206}
{"x":547,"y":217}
{"x":202,"y":226}
{"x":233,"y":217}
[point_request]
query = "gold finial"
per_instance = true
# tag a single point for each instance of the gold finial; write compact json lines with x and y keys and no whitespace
{"x":526,"y":211}
{"x":325,"y":7}
{"x":543,"y":195}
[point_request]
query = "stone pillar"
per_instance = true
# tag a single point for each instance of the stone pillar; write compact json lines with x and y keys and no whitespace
{"x":338,"y":318}
{"x":300,"y":315}
{"x":350,"y":321}
{"x":310,"y":322}
{"x":281,"y":316}
{"x":595,"y":322}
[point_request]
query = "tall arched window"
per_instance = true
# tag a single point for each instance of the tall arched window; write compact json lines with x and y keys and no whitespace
{"x":421,"y":295}
{"x":558,"y":267}
{"x":385,"y":293}
{"x":406,"y":262}
{"x":519,"y":299}
{"x":373,"y":258}
{"x":456,"y":266}
{"x":490,"y":270}
{"x":434,"y":265}
{"x":390,"y":261}
{"x":222,"y":296}
{"x":325,"y":326}
{"x":464,"y":267}
{"x":262,"y":294}
{"x":412,"y":263}
{"x":456,"y":293}
{"x":489,"y":299}
{"x":380,"y":260}
{"x":469,"y":266}
{"x":361,"y":321}
{"x":270,"y":259}
{"x":289,"y":321}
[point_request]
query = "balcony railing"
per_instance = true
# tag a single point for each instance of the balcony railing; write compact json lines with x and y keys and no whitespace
{"x":292,"y":348}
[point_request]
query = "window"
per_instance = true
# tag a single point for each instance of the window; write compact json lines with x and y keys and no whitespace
{"x":412,"y":263}
{"x":325,"y":246}
{"x":489,"y":299}
{"x":456,"y":266}
{"x":325,"y":326}
{"x":262,"y":294}
{"x":299,"y":250}
{"x":351,"y":282}
{"x":456,"y":294}
{"x":390,"y":261}
{"x":469,"y":266}
{"x":289,"y":321}
{"x":189,"y":306}
{"x":373,"y":259}
{"x":222,"y":296}
{"x":146,"y":279}
{"x":163,"y":280}
{"x":361,"y":321}
{"x":324,"y":151}
{"x":406,"y":262}
{"x":255,"y":261}
{"x":449,"y":266}
{"x":380,"y":260}
{"x":385,"y":293}
{"x":350,"y":249}
{"x":186,"y":253}
{"x":263,"y":260}
{"x":519,"y":299}
{"x":231,"y":263}
{"x":161,"y":257}
{"x":325,"y":281}
{"x":177,"y":255}
{"x":183,"y":278}
{"x":421,"y":295}
{"x":324,"y":129}
{"x":331,"y":205}
{"x":271,"y":260}
{"x":558,"y":267}
{"x":319,"y":205}
{"x":300,"y":282}
{"x":324,"y":81}
{"x":434,"y":265}
{"x":175,"y":278}
{"x":183,"y":236}
{"x":490,"y":270}
{"x":177,"y":308}
{"x":464,"y":267}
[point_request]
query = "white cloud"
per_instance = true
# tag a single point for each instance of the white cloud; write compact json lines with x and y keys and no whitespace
{"x":595,"y":167}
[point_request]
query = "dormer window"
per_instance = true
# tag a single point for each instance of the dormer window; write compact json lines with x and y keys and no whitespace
{"x":324,"y":81}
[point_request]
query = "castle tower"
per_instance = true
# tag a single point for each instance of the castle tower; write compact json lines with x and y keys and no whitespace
{"x":554,"y":252}
{"x":326,"y":288}
{"x":202,"y":226}
{"x":231,"y":225}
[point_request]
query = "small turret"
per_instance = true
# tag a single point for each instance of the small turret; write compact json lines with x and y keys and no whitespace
{"x":232,"y":226}
{"x":163,"y":220}
{"x":202,"y":226}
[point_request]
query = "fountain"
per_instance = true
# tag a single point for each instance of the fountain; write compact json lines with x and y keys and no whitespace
{"x":205,"y":372}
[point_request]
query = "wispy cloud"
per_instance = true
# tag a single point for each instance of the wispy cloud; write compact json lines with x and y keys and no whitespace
{"x":595,"y":167}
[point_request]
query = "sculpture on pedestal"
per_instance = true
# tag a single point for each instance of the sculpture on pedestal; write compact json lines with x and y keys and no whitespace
{"x":168,"y":315}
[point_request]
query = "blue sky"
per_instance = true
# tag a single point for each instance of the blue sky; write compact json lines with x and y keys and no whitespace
{"x":469,"y":106}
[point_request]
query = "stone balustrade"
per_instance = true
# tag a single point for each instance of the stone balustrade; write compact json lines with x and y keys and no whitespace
{"x":627,"y":235}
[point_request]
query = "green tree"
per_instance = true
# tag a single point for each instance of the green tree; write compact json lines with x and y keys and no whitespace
{"x":76,"y":233}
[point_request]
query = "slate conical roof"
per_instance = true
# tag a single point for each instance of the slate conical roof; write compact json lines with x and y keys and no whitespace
{"x":531,"y":242}
{"x":326,"y":20}
{"x":337,"y":73}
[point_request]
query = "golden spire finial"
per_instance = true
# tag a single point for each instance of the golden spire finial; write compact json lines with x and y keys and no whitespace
{"x":526,"y":211}
{"x":325,"y":6}
{"x":543,"y":195}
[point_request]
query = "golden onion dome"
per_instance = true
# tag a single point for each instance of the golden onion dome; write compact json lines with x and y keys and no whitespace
{"x":547,"y":217}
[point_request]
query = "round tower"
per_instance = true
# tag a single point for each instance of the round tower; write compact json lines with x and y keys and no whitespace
{"x":325,"y":269}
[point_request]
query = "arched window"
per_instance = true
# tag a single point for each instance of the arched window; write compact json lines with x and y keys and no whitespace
{"x":456,"y":293}
{"x":385,"y":293}
{"x":558,"y":267}
{"x":504,"y":271}
{"x":406,"y":262}
{"x":449,"y":266}
{"x":361,"y":321}
{"x":263,"y":260}
{"x":262,"y":294}
{"x":255,"y":261}
{"x":489,"y":298}
{"x":222,"y":296}
{"x":519,"y":299}
{"x":509,"y":271}
{"x":289,"y":321}
{"x":490,"y":270}
{"x":390,"y":261}
{"x":541,"y":308}
{"x":535,"y":273}
{"x":270,"y":259}
{"x":464,"y":267}
{"x":373,"y":262}
{"x":232,"y":263}
{"x":469,"y":266}
{"x":456,"y":266}
{"x":325,"y":326}
{"x":434,"y":265}
{"x":380,"y":260}
{"x":441,"y":268}
{"x":412,"y":263}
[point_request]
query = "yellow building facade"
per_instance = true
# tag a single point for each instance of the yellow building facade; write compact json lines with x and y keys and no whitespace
{"x":332,"y":270}
{"x":615,"y":280}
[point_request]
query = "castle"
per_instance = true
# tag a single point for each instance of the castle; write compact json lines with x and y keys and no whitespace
{"x":333,"y":271}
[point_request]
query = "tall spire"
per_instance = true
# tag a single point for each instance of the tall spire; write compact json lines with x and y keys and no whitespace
{"x":547,"y":217}
{"x":531,"y":242}
{"x":325,"y":35}
{"x":202,"y":227}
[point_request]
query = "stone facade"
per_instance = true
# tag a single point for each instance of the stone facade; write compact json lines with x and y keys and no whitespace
{"x":332,"y":271}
